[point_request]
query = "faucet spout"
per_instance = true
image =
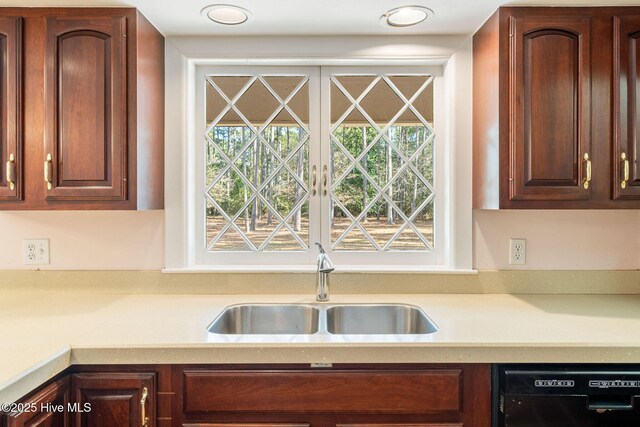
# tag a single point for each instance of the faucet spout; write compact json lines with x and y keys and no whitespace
{"x":325,"y":266}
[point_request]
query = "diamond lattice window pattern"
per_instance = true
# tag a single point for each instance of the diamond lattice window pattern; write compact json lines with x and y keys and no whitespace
{"x":257,"y":155}
{"x":382,"y":140}
{"x":381,"y":163}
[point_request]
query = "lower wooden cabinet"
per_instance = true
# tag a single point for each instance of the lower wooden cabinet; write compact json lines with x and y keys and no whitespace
{"x":400,"y":425}
{"x":347,"y":396}
{"x":244,"y":425}
{"x":451,"y":395}
{"x":46,"y":408}
{"x":307,"y":425}
{"x":113,"y":399}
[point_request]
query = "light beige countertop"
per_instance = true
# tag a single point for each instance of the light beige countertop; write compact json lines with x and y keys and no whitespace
{"x":41,"y":334}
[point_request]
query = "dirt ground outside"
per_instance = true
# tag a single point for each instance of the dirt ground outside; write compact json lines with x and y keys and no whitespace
{"x":378,"y":229}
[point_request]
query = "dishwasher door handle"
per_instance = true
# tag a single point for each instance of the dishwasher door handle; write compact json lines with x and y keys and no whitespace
{"x":610,"y":403}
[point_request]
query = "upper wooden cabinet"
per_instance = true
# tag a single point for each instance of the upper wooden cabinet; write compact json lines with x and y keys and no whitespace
{"x":10,"y":109}
{"x":551,"y":100}
{"x":626,"y":87}
{"x":85,"y":101}
{"x":547,"y":131}
{"x":93,"y":134}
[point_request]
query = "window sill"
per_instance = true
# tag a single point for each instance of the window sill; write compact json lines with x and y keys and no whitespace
{"x":406,"y":269}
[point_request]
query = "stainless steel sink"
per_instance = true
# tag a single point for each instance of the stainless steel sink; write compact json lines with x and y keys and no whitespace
{"x":369,"y":319}
{"x":267,"y":319}
{"x":321,"y":323}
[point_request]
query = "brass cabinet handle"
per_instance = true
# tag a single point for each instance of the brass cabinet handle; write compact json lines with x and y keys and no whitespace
{"x":11,"y":173}
{"x":625,"y":168}
{"x":143,"y":407}
{"x":324,"y":180}
{"x":314,"y":180}
{"x":587,"y":180}
{"x":47,"y":172}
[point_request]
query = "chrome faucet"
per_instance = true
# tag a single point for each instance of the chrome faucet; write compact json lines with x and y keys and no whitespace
{"x":325,"y":266}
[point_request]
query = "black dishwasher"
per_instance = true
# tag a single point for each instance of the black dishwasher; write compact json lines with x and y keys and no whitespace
{"x":566,"y":395}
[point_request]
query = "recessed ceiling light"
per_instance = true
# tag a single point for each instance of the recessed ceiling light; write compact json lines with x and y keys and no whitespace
{"x":226,"y":14}
{"x":406,"y":16}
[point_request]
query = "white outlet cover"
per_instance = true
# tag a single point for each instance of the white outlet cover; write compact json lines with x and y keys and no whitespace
{"x":35,"y":251}
{"x":517,"y":251}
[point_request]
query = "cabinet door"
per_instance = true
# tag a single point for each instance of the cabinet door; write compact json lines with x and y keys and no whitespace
{"x":10,"y":108}
{"x":48,"y":408}
{"x":403,"y":425}
{"x":388,"y":392}
{"x":85,"y":98}
{"x":113,"y":399}
{"x":549,"y":108}
{"x":244,"y":425}
{"x":626,"y":117}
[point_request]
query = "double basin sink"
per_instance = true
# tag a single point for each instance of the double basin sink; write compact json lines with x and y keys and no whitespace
{"x":334,"y":319}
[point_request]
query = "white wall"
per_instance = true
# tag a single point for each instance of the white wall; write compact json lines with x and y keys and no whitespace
{"x":322,"y":50}
{"x":459,"y":77}
{"x":558,"y":240}
{"x":87,"y":240}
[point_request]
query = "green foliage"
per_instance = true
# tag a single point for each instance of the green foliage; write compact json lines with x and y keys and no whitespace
{"x":382,"y":162}
{"x":258,"y":162}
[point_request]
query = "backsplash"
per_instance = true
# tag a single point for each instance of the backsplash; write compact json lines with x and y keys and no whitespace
{"x":303,"y":284}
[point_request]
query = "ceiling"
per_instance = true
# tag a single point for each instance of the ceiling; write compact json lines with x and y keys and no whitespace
{"x":316,"y":17}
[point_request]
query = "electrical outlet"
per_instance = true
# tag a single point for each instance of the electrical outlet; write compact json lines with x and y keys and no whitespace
{"x":517,"y":251}
{"x":35,"y":251}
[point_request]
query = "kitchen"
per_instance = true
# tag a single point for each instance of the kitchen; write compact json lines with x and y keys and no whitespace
{"x":492,"y":244}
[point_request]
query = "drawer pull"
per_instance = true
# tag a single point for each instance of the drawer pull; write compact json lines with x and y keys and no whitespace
{"x":625,"y":169}
{"x":47,"y":172}
{"x":11,"y":172}
{"x":143,"y":407}
{"x":587,"y":180}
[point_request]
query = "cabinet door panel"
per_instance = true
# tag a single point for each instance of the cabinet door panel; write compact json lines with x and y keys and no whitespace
{"x":243,"y":425}
{"x":403,"y":425}
{"x":50,"y":406}
{"x":10,"y":108}
{"x":550,"y":108}
{"x":86,"y":108}
{"x":626,"y":87}
{"x":386,"y":392}
{"x":114,"y":399}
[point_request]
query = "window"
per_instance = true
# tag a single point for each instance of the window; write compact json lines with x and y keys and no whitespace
{"x":348,"y":157}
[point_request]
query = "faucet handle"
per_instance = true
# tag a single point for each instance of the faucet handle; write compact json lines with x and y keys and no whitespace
{"x":320,"y":247}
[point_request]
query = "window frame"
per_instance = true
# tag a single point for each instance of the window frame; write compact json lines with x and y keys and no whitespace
{"x":245,"y":258}
{"x":319,"y":153}
{"x":184,"y":54}
{"x":433,"y":258}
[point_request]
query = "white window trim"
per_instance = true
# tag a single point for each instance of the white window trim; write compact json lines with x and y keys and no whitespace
{"x":179,"y":133}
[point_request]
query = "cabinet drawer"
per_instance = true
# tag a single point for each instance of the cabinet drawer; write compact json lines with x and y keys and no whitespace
{"x":370,"y":391}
